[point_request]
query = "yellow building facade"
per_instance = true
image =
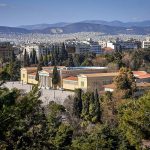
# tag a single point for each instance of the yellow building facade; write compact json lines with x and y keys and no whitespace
{"x":28,"y":75}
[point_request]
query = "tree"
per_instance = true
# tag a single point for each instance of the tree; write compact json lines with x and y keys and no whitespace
{"x":87,"y":62}
{"x":23,"y":122}
{"x":70,"y":61}
{"x":98,"y":107}
{"x":63,"y":53}
{"x":125,"y":82}
{"x":53,"y":63}
{"x":77,"y":103}
{"x":26,"y":61}
{"x":41,"y":61}
{"x":46,"y":60}
{"x":34,"y":57}
{"x":55,"y":77}
{"x":39,"y":68}
{"x":134,"y":120}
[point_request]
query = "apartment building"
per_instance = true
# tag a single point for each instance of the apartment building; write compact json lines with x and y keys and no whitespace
{"x":5,"y":50}
{"x":40,"y":49}
{"x":146,"y":43}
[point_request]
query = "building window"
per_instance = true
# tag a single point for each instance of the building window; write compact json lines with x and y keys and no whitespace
{"x":82,"y":84}
{"x":23,"y":75}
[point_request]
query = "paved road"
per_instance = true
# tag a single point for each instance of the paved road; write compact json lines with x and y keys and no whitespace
{"x":46,"y":95}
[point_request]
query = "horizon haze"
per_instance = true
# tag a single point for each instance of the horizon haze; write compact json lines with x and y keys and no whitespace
{"x":15,"y":13}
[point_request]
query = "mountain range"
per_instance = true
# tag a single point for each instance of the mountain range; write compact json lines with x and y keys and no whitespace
{"x":113,"y":27}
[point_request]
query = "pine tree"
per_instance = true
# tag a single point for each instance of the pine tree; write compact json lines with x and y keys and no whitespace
{"x":55,"y":77}
{"x":125,"y":82}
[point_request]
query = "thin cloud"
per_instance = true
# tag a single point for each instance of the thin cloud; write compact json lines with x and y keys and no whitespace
{"x":3,"y":5}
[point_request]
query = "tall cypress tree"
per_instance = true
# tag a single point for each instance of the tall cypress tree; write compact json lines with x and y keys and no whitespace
{"x":98,"y":108}
{"x":70,"y":61}
{"x":77,"y":104}
{"x":39,"y":68}
{"x":41,"y":60}
{"x":55,"y":77}
{"x":46,"y":60}
{"x":25,"y":59}
{"x":31,"y":58}
{"x":53,"y":60}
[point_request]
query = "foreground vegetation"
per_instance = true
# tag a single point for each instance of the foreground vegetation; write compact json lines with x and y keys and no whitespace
{"x":85,"y":122}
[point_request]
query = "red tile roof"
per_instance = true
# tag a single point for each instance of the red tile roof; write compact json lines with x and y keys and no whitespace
{"x":71,"y":78}
{"x":141,"y":74}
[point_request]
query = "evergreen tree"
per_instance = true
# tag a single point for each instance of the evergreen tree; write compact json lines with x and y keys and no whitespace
{"x":41,"y":60}
{"x":77,"y":104}
{"x":70,"y":61}
{"x":31,"y":58}
{"x":26,"y":61}
{"x":85,"y":106}
{"x":53,"y":60}
{"x":39,"y":68}
{"x":55,"y":77}
{"x":46,"y":60}
{"x":13,"y":56}
{"x":125,"y":82}
{"x":92,"y":108}
{"x":97,"y":104}
{"x":76,"y":60}
{"x":63,"y":53}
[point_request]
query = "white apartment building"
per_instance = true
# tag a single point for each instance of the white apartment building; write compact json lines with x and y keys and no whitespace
{"x":38,"y":48}
{"x":146,"y":43}
{"x":110,"y":45}
{"x":95,"y":47}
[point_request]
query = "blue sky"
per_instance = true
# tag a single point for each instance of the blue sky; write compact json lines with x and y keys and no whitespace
{"x":23,"y":12}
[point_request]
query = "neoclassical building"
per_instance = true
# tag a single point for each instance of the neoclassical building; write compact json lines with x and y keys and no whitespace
{"x":45,"y":76}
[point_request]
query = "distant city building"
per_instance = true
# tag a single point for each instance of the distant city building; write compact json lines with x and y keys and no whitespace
{"x":40,"y":49}
{"x":123,"y":45}
{"x":111,"y":45}
{"x":5,"y":50}
{"x":146,"y":43}
{"x":103,"y":44}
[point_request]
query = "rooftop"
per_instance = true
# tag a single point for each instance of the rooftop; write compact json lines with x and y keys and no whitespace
{"x":33,"y":74}
{"x":113,"y":74}
{"x":71,"y":78}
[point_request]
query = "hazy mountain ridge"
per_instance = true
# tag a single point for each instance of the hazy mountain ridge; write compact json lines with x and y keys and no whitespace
{"x":64,"y":28}
{"x":102,"y":22}
{"x":43,"y":26}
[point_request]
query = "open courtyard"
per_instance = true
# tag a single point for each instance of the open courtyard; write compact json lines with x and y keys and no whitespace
{"x":46,"y":95}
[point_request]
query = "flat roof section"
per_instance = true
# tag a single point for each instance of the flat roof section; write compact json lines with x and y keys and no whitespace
{"x":100,"y":74}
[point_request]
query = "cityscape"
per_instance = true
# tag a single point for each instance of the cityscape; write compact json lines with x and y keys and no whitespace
{"x":74,"y":75}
